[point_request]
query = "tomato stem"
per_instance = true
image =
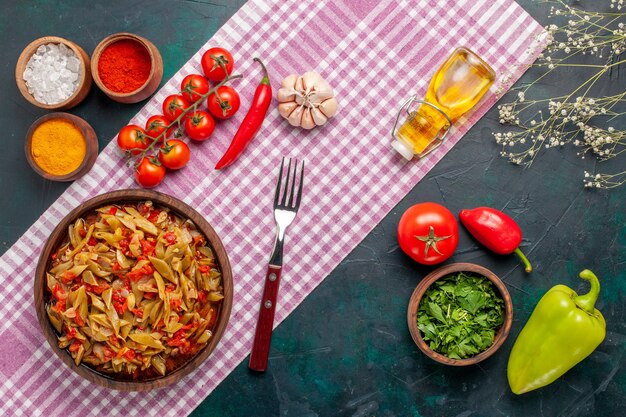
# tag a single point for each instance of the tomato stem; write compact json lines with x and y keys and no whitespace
{"x":179,"y":119}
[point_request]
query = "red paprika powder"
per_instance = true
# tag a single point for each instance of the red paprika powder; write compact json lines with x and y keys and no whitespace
{"x":124,"y":66}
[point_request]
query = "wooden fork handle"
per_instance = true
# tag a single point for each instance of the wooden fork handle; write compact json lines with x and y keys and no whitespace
{"x":265,"y":323}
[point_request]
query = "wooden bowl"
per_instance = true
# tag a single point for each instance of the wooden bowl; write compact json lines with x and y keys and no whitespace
{"x":84,"y":84}
{"x":91,"y":142}
{"x":445,"y":270}
{"x":60,"y":234}
{"x":151,"y":84}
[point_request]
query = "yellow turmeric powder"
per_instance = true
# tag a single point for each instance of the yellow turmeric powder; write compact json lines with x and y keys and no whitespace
{"x":58,"y":146}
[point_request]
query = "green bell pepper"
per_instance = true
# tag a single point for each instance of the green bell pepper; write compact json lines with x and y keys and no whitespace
{"x":563,"y":330}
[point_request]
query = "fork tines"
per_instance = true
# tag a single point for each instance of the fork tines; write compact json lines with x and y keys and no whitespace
{"x":290,"y":188}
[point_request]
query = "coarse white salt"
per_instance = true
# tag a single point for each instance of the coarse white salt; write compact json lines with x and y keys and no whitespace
{"x":52,"y":73}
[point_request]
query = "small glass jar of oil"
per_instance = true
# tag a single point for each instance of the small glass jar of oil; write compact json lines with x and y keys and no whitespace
{"x":456,"y":87}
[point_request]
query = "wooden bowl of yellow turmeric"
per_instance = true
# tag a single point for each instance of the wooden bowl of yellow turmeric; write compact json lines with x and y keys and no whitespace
{"x":61,"y":146}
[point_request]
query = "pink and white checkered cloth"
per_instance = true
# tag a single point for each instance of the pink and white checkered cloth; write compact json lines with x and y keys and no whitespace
{"x":374,"y":53}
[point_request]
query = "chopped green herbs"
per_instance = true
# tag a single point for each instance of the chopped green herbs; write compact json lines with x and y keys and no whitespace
{"x":460,"y":314}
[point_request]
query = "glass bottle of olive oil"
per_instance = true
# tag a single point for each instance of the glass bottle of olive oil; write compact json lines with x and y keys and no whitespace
{"x":455,"y":88}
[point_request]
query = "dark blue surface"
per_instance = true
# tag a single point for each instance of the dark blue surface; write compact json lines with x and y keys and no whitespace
{"x":346,"y":350}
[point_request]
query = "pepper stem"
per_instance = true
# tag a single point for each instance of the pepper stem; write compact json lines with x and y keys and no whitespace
{"x":266,"y":77}
{"x":588,"y":301}
{"x":527,"y":266}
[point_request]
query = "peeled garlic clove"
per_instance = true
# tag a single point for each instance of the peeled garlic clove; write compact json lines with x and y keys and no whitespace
{"x":310,"y":79}
{"x":289,"y":81}
{"x":295,"y":118}
{"x":318,"y":116}
{"x":329,"y":107}
{"x":286,"y":94}
{"x":307,"y":120}
{"x":285,"y":109}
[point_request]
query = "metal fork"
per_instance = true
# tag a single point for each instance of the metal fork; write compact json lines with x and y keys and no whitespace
{"x":285,"y":209}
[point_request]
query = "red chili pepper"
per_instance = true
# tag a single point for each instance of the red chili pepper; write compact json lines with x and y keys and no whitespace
{"x":130,"y":354}
{"x":147,"y":247}
{"x":76,"y":344}
{"x":71,"y":332}
{"x":79,"y":320}
{"x":251,"y":123}
{"x":67,"y":277}
{"x":154,"y":214}
{"x":496,"y":230}
{"x":170,"y":237}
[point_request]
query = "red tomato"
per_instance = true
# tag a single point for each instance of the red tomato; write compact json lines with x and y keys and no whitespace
{"x":428,"y":233}
{"x":214,"y":61}
{"x":174,"y":105}
{"x":175,"y":154}
{"x":149,"y":173}
{"x":227,"y":104}
{"x":200,"y":125}
{"x":194,"y":86}
{"x":132,"y":139}
{"x":156,"y":125}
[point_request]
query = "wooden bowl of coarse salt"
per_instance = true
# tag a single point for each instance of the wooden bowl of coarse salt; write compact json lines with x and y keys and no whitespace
{"x":61,"y":147}
{"x":53,"y":73}
{"x":127,"y":67}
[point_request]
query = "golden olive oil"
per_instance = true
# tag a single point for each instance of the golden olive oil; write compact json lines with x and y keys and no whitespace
{"x":455,"y":88}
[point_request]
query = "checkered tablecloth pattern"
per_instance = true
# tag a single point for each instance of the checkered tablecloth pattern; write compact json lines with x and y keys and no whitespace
{"x":374,"y":53}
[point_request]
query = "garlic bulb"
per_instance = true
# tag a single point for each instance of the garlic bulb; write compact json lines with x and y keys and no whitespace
{"x":307,"y":100}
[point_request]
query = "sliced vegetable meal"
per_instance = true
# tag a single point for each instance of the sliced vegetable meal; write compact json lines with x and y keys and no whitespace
{"x":135,"y":291}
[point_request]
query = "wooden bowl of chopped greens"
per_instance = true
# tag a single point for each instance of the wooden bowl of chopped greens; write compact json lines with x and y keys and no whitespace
{"x":460,"y":314}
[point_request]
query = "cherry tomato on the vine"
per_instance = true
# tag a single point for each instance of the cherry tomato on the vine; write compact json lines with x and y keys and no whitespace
{"x":156,"y":125}
{"x":428,"y":233}
{"x":194,"y":86}
{"x":149,"y":173}
{"x":133,"y":139}
{"x":227,"y":104}
{"x":199,"y":125}
{"x":175,"y":154}
{"x":174,"y":105}
{"x":214,"y":61}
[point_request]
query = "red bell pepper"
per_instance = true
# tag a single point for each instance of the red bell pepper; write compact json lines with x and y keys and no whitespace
{"x":494,"y":229}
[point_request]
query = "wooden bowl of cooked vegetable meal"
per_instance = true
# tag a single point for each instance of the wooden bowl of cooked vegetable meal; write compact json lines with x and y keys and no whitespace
{"x":133,"y":290}
{"x":460,"y":314}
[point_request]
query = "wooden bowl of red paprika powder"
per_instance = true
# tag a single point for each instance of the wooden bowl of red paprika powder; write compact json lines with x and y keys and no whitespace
{"x":127,"y":67}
